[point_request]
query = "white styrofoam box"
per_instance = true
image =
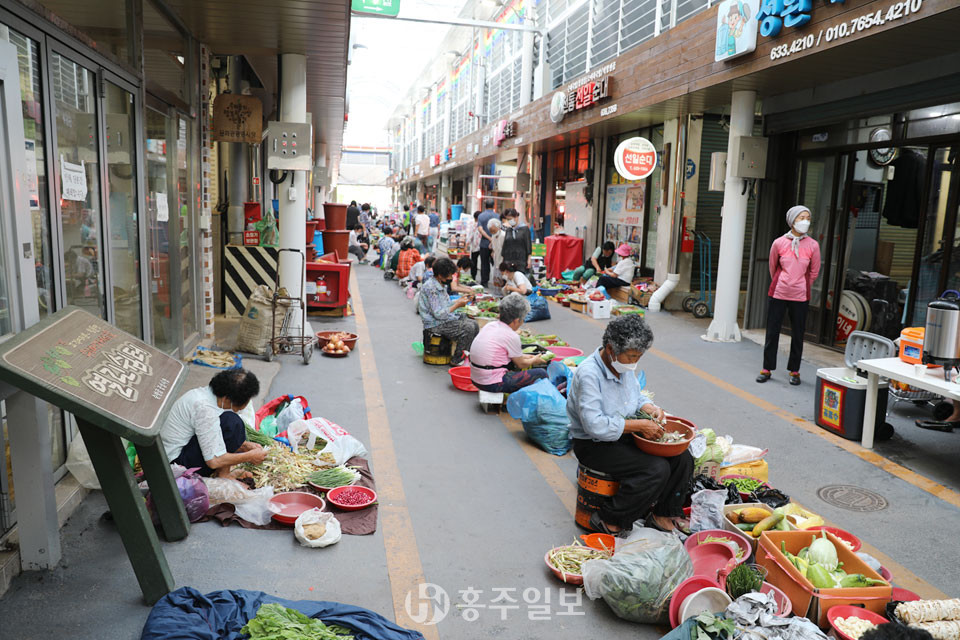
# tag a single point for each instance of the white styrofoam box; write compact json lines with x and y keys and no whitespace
{"x":599,"y":309}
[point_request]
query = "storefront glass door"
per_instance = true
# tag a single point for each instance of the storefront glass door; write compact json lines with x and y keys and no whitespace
{"x":185,"y":229}
{"x":123,"y":208}
{"x":158,"y":198}
{"x":939,"y":257}
{"x":78,"y":179}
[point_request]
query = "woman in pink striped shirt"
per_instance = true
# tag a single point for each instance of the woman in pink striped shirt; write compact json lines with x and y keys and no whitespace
{"x":794,"y":265}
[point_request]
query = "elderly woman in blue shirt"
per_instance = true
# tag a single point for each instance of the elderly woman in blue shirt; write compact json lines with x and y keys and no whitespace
{"x":439,"y":315}
{"x":604,"y":393}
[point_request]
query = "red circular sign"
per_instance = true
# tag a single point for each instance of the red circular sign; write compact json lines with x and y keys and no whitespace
{"x":635,"y":158}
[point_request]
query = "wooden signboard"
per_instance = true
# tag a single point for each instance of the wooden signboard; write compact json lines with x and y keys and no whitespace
{"x":237,"y":118}
{"x":116,"y":386}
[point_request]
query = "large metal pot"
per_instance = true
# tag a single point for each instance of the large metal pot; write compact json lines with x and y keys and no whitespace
{"x":941,"y":340}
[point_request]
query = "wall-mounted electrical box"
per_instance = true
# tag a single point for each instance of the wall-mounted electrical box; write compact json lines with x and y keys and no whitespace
{"x":289,"y":146}
{"x":749,"y":157}
{"x":718,"y":170}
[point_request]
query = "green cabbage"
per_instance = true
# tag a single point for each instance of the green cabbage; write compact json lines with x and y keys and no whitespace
{"x":823,"y":552}
{"x":276,"y":622}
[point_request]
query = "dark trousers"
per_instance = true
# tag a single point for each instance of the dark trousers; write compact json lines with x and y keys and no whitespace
{"x":357,"y":251}
{"x":647,"y":483}
{"x":798,"y":323}
{"x":474,"y":262}
{"x":514,"y":381}
{"x":486,"y":257}
{"x":234,"y":435}
{"x":609,"y":282}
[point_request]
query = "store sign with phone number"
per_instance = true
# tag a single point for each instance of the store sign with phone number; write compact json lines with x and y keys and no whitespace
{"x":880,"y":17}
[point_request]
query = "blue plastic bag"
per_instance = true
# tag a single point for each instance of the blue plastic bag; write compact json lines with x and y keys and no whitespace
{"x":539,"y":309}
{"x":543,"y":412}
{"x":558,"y":372}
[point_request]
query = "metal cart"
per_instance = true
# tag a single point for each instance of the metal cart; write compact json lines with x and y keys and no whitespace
{"x":902,"y":392}
{"x":702,"y":305}
{"x":284,"y":343}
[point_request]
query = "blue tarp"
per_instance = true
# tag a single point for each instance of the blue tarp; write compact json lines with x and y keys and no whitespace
{"x":187,"y":614}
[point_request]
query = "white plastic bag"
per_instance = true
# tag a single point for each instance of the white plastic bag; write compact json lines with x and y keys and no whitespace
{"x":340,"y":443}
{"x":290,"y":414}
{"x":79,"y":464}
{"x":706,"y":511}
{"x":301,"y":428}
{"x":742,"y":454}
{"x":315,"y":516}
{"x":640,"y":577}
{"x":251,"y":505}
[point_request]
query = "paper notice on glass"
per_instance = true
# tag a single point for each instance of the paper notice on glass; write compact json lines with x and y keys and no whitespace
{"x":163,"y":207}
{"x":73,"y":177}
{"x":30,"y":156}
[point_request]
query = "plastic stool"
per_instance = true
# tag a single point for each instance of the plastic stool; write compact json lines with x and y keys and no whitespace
{"x":489,"y":399}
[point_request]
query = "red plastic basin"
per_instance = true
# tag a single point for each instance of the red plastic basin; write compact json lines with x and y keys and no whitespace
{"x":740,"y":539}
{"x":461,"y":378}
{"x":708,"y":558}
{"x":292,"y":504}
{"x":847,"y":611}
{"x":846,"y":536}
{"x":565,"y":352}
{"x":334,"y":496}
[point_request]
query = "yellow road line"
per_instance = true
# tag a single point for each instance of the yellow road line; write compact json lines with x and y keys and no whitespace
{"x":933,"y":488}
{"x":399,"y":540}
{"x":567,"y":491}
{"x":545,"y":463}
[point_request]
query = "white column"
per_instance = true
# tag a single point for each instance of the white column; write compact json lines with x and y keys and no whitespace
{"x":293,"y":212}
{"x":724,"y":327}
{"x":526,"y":58}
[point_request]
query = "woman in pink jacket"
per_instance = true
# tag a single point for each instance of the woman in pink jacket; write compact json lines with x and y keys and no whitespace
{"x":794,"y":265}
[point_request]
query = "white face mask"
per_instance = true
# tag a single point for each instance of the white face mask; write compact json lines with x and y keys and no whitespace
{"x":802,"y":226}
{"x":511,"y":223}
{"x":620,"y":367}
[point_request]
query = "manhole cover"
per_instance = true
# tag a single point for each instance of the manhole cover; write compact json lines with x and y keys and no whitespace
{"x":852,"y":498}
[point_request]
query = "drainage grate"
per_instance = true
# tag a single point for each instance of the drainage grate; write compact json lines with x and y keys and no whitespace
{"x":851,"y":498}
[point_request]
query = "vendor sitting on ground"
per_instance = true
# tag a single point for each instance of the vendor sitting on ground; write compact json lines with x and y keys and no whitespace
{"x":205,"y":427}
{"x":497,"y":361}
{"x":514,"y":280}
{"x":437,"y":313}
{"x":385,"y":246}
{"x":621,"y":275}
{"x":418,"y":272}
{"x":602,"y":397}
{"x":464,"y":265}
{"x":407,"y":258}
{"x":598,"y":262}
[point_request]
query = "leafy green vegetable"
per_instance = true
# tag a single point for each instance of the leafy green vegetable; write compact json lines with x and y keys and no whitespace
{"x":710,"y":626}
{"x":258,"y":438}
{"x":276,"y":622}
{"x":743,"y":579}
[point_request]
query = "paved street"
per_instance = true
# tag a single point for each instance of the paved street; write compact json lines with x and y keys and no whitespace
{"x":467,"y":502}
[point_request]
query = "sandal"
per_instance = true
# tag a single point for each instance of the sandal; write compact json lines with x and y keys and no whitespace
{"x":651,"y":522}
{"x":938,"y":425}
{"x":599,"y":526}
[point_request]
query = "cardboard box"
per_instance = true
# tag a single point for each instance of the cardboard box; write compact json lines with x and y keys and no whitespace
{"x":578,"y":306}
{"x":599,"y":309}
{"x":620,"y":294}
{"x":729,"y":526}
{"x":758,"y":469}
{"x":808,"y":600}
{"x":710,"y":469}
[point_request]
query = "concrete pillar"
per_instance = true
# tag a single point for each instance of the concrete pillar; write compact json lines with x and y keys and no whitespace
{"x":293,"y":210}
{"x":475,"y":186}
{"x":237,"y":153}
{"x":724,"y":327}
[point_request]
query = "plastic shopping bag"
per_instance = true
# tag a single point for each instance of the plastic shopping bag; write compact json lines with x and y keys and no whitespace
{"x":340,"y":443}
{"x":290,"y":414}
{"x":192,"y":490}
{"x":636,"y":583}
{"x":539,"y":309}
{"x":706,"y":511}
{"x":251,"y":505}
{"x":543,"y":412}
{"x":313,"y":521}
{"x":80,"y":466}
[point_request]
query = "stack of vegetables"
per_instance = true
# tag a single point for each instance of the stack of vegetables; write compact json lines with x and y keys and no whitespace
{"x":819,"y":564}
{"x":756,"y":520}
{"x":717,"y":448}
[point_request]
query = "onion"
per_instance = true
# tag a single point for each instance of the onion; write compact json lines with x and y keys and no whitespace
{"x":346,"y":349}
